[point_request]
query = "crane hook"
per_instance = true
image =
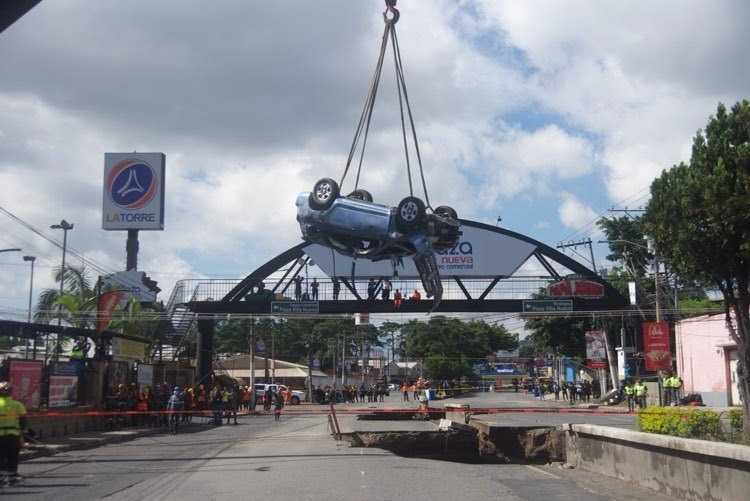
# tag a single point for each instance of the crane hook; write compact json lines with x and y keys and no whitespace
{"x":390,"y":5}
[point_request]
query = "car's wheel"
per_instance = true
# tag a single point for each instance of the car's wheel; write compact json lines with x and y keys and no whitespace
{"x":446,"y":211}
{"x":360,"y":194}
{"x":295,"y":400}
{"x":410,"y":212}
{"x":324,"y":193}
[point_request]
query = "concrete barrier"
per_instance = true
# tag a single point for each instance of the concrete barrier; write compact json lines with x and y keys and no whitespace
{"x":458,"y":413}
{"x":60,"y":423}
{"x":679,"y":467}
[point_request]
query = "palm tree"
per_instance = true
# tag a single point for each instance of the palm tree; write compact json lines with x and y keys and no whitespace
{"x":74,"y":306}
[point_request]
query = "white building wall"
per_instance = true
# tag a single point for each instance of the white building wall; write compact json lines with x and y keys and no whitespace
{"x":702,"y":350}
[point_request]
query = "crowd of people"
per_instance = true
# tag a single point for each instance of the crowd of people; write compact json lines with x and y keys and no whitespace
{"x":380,"y":289}
{"x":166,"y":405}
{"x":572,"y":391}
{"x":349,"y":394}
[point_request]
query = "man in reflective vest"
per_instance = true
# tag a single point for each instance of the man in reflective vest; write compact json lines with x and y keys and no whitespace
{"x":12,"y":427}
{"x":629,"y":395}
{"x":674,"y":384}
{"x":666,"y":386}
{"x":640,"y":394}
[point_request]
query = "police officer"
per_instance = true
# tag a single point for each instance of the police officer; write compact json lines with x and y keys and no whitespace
{"x":640,"y":394}
{"x":674,"y":384}
{"x":12,"y":427}
{"x":666,"y":386}
{"x":630,"y":394}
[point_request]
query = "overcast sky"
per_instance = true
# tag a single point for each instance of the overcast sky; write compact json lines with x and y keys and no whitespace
{"x":547,"y":114}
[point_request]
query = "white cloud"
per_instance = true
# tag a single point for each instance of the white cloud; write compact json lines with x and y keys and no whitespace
{"x":521,"y":109}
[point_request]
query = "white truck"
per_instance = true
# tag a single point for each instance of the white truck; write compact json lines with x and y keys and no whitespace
{"x":260,"y":389}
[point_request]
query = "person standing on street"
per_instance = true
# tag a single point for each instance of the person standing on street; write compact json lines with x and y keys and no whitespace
{"x":175,"y":406}
{"x":675,"y":385}
{"x":629,"y":395}
{"x":12,"y":428}
{"x":279,"y":405}
{"x":666,"y":387}
{"x":640,"y":394}
{"x":405,"y":390}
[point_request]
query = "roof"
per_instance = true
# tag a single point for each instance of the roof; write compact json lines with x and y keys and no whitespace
{"x":239,"y":366}
{"x":278,"y":373}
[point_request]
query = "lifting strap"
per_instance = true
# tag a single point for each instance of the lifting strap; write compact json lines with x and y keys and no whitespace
{"x":365,"y":118}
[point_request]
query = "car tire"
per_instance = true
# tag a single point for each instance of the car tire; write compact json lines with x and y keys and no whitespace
{"x":446,"y":211}
{"x":295,"y":400}
{"x":360,"y":194}
{"x":410,"y":212}
{"x":324,"y":193}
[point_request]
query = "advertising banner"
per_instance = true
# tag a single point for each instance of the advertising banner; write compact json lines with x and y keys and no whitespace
{"x":479,"y":253}
{"x":656,"y":346}
{"x":127,"y":348}
{"x":145,"y":376}
{"x":63,"y":385}
{"x":106,"y":304}
{"x":26,"y":378}
{"x":596,"y":347}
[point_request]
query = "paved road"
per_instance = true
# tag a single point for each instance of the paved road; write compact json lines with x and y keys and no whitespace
{"x":295,"y":458}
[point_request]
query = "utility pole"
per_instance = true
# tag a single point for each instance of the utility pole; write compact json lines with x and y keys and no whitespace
{"x":576,"y":244}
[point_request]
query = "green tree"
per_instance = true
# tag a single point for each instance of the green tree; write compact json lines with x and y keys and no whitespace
{"x":698,"y":220}
{"x":450,"y":346}
{"x":627,"y":243}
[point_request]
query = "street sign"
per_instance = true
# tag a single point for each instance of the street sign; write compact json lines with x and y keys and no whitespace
{"x":294,"y":307}
{"x":546,"y":305}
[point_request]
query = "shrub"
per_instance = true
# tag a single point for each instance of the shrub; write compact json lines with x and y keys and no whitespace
{"x":736,"y":420}
{"x":686,"y":423}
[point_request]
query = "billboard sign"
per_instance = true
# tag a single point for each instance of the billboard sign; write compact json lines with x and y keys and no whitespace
{"x":133,"y":191}
{"x":26,"y":378}
{"x":596,"y":347}
{"x":577,"y":287}
{"x":656,"y":346}
{"x":133,"y":284}
{"x":479,"y":253}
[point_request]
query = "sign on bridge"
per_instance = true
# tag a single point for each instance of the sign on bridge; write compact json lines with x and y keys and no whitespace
{"x":547,"y":305}
{"x":295,"y":307}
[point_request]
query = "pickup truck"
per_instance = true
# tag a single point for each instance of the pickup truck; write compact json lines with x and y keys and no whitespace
{"x":260,"y":389}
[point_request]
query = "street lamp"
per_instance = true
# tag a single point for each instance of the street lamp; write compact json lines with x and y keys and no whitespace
{"x":31,"y":293}
{"x":65,"y":226}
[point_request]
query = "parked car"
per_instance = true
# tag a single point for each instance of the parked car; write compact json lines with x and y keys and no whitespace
{"x":357,"y":227}
{"x":260,"y":389}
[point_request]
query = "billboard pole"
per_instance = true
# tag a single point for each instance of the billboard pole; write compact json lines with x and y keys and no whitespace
{"x":131,"y":249}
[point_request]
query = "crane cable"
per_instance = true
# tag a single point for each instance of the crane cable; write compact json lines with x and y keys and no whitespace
{"x":363,"y":125}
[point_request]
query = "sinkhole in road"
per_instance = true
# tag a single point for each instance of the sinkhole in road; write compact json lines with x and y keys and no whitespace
{"x":472,"y":443}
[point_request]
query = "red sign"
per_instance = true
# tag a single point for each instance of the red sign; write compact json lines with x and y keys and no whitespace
{"x":656,"y":346}
{"x":106,"y":304}
{"x":576,"y":287}
{"x":26,"y":378}
{"x":596,"y":364}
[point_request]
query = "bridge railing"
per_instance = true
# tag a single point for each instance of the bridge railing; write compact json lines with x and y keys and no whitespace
{"x":508,"y":288}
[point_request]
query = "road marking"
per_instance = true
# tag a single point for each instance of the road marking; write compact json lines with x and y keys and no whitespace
{"x":543,"y":471}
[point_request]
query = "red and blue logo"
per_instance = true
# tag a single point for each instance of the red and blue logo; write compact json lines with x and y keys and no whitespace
{"x":131,"y":184}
